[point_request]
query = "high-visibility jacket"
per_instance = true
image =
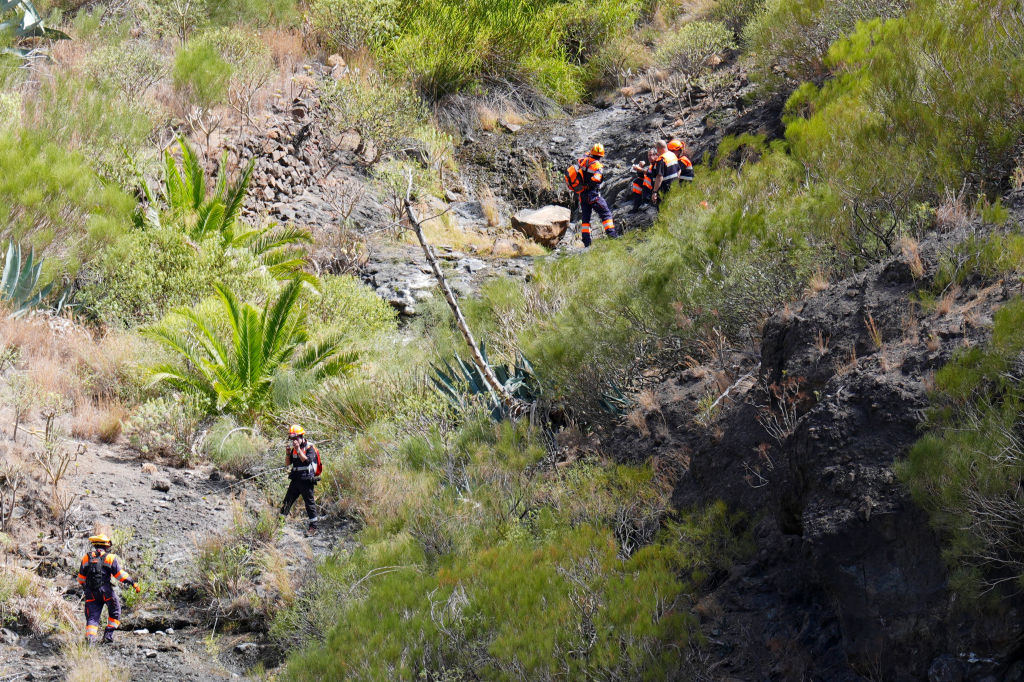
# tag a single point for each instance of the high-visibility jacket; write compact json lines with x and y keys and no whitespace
{"x":667,"y":167}
{"x":593,"y":172}
{"x":685,"y":169}
{"x":98,"y":567}
{"x":642,"y":180}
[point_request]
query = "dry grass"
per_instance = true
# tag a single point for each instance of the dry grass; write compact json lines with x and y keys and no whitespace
{"x":637,"y":420}
{"x":953,"y":212}
{"x":821,"y":343}
{"x":387,"y":493}
{"x":818,"y":282}
{"x":912,"y":256}
{"x":932,"y":344}
{"x":87,"y":664}
{"x":945,"y":304}
{"x":100,"y":422}
{"x":844,"y":368}
{"x":539,"y":174}
{"x":489,"y":206}
{"x":486,"y":118}
{"x":874,"y":333}
{"x":26,"y":597}
{"x":285,"y":47}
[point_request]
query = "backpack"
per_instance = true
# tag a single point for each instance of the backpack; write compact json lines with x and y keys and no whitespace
{"x":575,"y":178}
{"x":95,"y":576}
{"x":319,"y":469}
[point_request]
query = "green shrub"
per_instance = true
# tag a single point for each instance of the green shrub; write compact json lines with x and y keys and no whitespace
{"x":348,"y":26}
{"x":147,"y":273}
{"x":964,"y":472}
{"x":735,"y":13}
{"x":348,"y":307}
{"x":130,"y":68}
{"x":380,"y":111}
{"x":241,"y":452}
{"x":689,"y":50}
{"x":163,"y":427}
{"x":174,"y":17}
{"x":993,"y":257}
{"x":250,"y":64}
{"x":254,"y":13}
{"x":54,"y":201}
{"x":201,"y":73}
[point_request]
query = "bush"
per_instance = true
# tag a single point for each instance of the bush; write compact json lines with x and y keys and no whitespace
{"x":348,"y":26}
{"x":254,"y":13}
{"x":130,"y":68}
{"x":250,"y":66}
{"x":240,"y":452}
{"x":348,"y":307}
{"x":201,"y":73}
{"x":147,"y":273}
{"x":735,"y":13}
{"x":689,"y":50}
{"x":53,"y":200}
{"x":381,"y":112}
{"x":163,"y":427}
{"x":964,"y":472}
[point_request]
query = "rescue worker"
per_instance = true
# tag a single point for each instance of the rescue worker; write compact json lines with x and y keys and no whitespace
{"x":301,"y":456}
{"x":685,"y":165}
{"x":590,"y":195}
{"x":98,"y":567}
{"x":666,"y":170}
{"x":642,"y":181}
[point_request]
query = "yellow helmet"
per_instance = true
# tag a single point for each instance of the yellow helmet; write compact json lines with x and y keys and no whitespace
{"x":100,"y":540}
{"x":296,"y":430}
{"x":597,"y":150}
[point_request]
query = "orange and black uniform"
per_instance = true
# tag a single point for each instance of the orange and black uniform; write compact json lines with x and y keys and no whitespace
{"x":303,"y":479}
{"x":94,"y":575}
{"x":643,"y":185}
{"x":685,"y":169}
{"x":591,"y":199}
{"x":666,"y":168}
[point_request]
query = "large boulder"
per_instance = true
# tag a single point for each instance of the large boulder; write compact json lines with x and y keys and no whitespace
{"x":543,"y":225}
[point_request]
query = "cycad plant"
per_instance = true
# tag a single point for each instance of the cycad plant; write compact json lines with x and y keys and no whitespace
{"x":20,"y":277}
{"x":236,"y":375}
{"x":203,"y":215}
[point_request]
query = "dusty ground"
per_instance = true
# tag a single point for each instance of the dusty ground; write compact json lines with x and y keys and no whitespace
{"x":160,"y":639}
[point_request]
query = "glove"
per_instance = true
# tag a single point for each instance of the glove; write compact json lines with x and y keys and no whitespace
{"x":586,"y":239}
{"x":137,"y":588}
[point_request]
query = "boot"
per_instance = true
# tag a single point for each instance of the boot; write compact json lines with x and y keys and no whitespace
{"x":90,"y":640}
{"x":108,"y":636}
{"x":612,"y":233}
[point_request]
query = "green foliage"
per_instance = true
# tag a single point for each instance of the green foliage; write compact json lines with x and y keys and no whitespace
{"x":146,"y":273}
{"x":349,"y":308}
{"x":254,"y":13}
{"x":251,"y":66}
{"x":465,"y":386}
{"x":130,"y":67}
{"x":20,"y":277}
{"x":53,"y":200}
{"x":380,"y":111}
{"x":690,"y":49}
{"x":201,"y":73}
{"x":347,"y":26}
{"x":964,"y":472}
{"x":236,"y":375}
{"x":241,"y":451}
{"x":735,"y":13}
{"x":163,"y":427}
{"x":21,"y":22}
{"x":992,"y":257}
{"x":793,"y":36}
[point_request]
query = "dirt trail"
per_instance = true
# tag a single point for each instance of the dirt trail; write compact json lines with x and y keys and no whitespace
{"x":159,"y":640}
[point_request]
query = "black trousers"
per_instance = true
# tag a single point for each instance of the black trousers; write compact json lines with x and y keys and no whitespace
{"x":303,"y":487}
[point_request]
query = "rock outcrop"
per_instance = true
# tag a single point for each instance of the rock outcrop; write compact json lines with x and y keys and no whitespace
{"x":544,"y":225}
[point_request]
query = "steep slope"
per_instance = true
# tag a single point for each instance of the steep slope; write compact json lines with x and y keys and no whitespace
{"x":848,"y":579}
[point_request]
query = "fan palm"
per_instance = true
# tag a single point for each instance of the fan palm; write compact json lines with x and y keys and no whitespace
{"x":237,"y":375}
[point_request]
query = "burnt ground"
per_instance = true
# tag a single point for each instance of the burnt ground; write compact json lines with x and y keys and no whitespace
{"x":847,"y":581}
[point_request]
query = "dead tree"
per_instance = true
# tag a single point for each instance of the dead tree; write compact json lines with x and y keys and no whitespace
{"x":478,"y":359}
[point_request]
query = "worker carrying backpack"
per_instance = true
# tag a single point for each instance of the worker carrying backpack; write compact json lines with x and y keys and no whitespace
{"x":576,"y":177}
{"x":95,"y":576}
{"x":319,"y":465}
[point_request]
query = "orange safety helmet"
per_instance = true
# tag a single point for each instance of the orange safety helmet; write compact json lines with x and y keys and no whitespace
{"x":100,"y":540}
{"x":296,"y":430}
{"x":675,"y":146}
{"x":597,"y":150}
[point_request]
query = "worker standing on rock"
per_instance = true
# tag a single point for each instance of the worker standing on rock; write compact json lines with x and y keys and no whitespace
{"x":584,"y":178}
{"x":98,"y":567}
{"x":666,"y":171}
{"x":304,"y":460}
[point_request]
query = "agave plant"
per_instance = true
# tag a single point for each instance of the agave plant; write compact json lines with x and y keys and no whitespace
{"x":20,"y":277}
{"x":236,"y":375}
{"x":463,"y":384}
{"x":28,"y":25}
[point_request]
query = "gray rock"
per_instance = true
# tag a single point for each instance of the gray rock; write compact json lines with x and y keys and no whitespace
{"x":162,"y":484}
{"x":150,"y":653}
{"x":8,"y":636}
{"x":544,"y":226}
{"x":245,"y":647}
{"x":140,"y":631}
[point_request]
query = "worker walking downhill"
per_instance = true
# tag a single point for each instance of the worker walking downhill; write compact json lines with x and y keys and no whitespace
{"x":304,"y":459}
{"x":666,"y":171}
{"x":98,"y":567}
{"x":584,"y":178}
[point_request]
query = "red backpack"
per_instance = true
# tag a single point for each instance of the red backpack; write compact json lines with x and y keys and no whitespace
{"x":319,"y":464}
{"x":575,"y":178}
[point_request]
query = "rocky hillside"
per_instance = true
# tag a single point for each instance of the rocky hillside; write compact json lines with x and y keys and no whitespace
{"x":847,"y":579}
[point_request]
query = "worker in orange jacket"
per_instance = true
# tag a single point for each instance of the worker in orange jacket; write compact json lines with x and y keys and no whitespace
{"x":94,"y":575}
{"x":643,"y":183}
{"x":678,"y":148}
{"x":591,"y":174}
